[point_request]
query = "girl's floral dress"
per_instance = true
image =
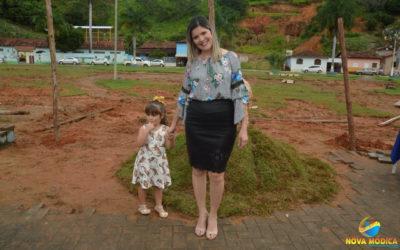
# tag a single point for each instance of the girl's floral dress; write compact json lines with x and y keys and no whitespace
{"x":151,"y":164}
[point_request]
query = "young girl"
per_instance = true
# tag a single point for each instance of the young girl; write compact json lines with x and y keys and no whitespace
{"x":151,"y":165}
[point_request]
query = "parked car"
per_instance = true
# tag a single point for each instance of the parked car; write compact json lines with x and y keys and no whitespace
{"x":100,"y":61}
{"x":69,"y":60}
{"x":157,"y":62}
{"x":314,"y":68}
{"x":366,"y":71}
{"x":139,"y":61}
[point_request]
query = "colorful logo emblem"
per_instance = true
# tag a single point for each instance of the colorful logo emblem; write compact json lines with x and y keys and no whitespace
{"x":369,"y":228}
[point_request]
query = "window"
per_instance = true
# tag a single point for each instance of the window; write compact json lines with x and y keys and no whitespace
{"x":99,"y":52}
{"x":355,"y":64}
{"x":374,"y":65}
{"x":299,"y":61}
{"x":317,"y":62}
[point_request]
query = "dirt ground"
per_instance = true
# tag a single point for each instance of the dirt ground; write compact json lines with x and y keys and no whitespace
{"x":78,"y":171}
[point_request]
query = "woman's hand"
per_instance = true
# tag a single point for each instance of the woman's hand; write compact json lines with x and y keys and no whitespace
{"x":242,"y":140}
{"x":171,"y":132}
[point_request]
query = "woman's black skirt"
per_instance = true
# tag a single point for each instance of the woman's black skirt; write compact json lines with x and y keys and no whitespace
{"x":210,"y":134}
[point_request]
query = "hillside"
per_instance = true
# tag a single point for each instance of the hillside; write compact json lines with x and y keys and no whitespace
{"x":10,"y":29}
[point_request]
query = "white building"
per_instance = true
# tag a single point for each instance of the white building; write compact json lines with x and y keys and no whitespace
{"x":305,"y":59}
{"x":17,"y":50}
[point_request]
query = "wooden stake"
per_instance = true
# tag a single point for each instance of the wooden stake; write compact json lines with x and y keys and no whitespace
{"x":115,"y":39}
{"x":350,"y":121}
{"x":79,"y":118}
{"x":52,"y":46}
{"x":211,"y":13}
{"x":389,"y":121}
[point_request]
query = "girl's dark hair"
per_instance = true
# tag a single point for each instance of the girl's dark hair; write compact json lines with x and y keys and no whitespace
{"x":157,"y":108}
{"x":192,"y":50}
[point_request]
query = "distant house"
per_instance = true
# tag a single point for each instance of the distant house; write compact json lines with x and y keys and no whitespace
{"x":181,"y":53}
{"x":357,"y":60}
{"x":386,"y":63}
{"x":148,"y":48}
{"x":14,"y":50}
{"x":304,"y":59}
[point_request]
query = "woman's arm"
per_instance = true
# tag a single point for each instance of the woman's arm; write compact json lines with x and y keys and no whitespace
{"x":243,"y":137}
{"x":171,"y":131}
{"x":170,"y":142}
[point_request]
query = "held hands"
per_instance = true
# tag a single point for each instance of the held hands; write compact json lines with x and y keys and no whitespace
{"x":171,"y":133}
{"x":242,"y":139}
{"x":149,"y":126}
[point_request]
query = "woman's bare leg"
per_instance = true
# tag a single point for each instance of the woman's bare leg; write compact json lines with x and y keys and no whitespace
{"x":199,"y":180}
{"x":216,"y":191}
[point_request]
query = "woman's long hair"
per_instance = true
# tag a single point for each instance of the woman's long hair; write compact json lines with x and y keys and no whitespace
{"x":192,"y":50}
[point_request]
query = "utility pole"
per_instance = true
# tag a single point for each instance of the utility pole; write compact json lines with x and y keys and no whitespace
{"x":352,"y":138}
{"x":52,"y":47}
{"x":90,"y":26}
{"x":211,"y":13}
{"x":394,"y":52}
{"x":115,"y":40}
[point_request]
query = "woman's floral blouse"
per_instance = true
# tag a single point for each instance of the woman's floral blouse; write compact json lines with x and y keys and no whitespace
{"x":206,"y":81}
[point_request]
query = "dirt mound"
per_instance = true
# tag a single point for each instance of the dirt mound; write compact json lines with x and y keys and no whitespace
{"x":343,"y":141}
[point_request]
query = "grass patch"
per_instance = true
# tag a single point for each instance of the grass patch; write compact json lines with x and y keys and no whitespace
{"x":6,"y":120}
{"x":274,"y":95}
{"x":9,"y":29}
{"x":137,"y":84}
{"x":264,"y":3}
{"x":265,"y":176}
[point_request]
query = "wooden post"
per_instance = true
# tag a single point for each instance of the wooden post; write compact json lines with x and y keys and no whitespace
{"x":52,"y":46}
{"x":352,"y":138}
{"x":211,"y":13}
{"x":115,"y":40}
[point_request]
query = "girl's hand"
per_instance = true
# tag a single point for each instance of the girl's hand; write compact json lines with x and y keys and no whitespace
{"x":242,"y":140}
{"x":149,"y":126}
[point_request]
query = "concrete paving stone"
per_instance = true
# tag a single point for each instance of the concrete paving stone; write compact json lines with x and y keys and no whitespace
{"x":224,"y":222}
{"x":300,"y":246}
{"x":246,"y":244}
{"x":142,"y":220}
{"x":166,"y":232}
{"x":282,"y":217}
{"x":230,"y":235}
{"x":298,"y":225}
{"x":262,"y":243}
{"x":281,"y":237}
{"x":270,"y":220}
{"x":194,"y":245}
{"x":219,"y":242}
{"x":182,"y":229}
{"x":310,"y":218}
{"x":179,"y":240}
{"x":233,"y":243}
{"x":234,"y":228}
{"x":281,"y":247}
{"x":249,"y":235}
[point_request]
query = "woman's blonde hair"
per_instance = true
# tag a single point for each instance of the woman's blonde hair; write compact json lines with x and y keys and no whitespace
{"x":192,"y":50}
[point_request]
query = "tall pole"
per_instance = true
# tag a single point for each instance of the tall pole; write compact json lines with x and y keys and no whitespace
{"x":90,"y":26}
{"x":52,"y":46}
{"x":211,"y":13}
{"x":352,"y":138}
{"x":333,"y":53}
{"x":394,"y":51}
{"x":115,"y":40}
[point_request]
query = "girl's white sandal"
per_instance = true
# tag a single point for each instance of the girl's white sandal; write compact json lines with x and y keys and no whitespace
{"x":144,"y":210}
{"x":161,"y":212}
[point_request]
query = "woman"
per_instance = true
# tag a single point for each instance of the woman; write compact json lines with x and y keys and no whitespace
{"x":211,"y":103}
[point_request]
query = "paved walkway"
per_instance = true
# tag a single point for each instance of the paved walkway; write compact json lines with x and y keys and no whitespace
{"x":313,"y":227}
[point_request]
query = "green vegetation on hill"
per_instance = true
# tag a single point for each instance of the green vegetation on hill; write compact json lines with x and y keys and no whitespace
{"x":9,"y":29}
{"x":265,"y":176}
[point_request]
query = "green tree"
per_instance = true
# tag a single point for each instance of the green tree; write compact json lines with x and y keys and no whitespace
{"x":134,"y":19}
{"x":328,"y":14}
{"x":69,"y":38}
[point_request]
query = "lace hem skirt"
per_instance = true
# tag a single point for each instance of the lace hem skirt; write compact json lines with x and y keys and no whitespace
{"x":210,"y":134}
